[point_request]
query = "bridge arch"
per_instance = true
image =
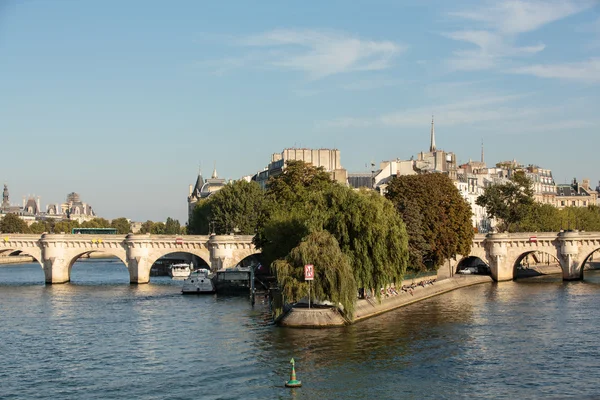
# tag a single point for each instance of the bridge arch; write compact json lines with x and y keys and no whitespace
{"x":203,"y":254}
{"x":536,"y":262}
{"x":591,"y":255}
{"x":75,"y":256}
{"x":474,"y":265}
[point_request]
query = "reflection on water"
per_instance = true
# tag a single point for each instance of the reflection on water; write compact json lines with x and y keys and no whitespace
{"x":100,"y":338}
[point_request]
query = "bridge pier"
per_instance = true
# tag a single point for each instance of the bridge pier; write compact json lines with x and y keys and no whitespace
{"x":572,"y":266}
{"x":500,"y":267}
{"x":56,"y":270}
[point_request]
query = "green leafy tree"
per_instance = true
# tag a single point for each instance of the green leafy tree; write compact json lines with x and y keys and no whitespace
{"x":122,"y":225}
{"x":65,"y":226}
{"x":38,"y":227}
{"x":237,"y":207}
{"x":438,"y":219}
{"x":172,"y":227}
{"x":370,"y":232}
{"x":146,"y":227}
{"x":334,"y":278}
{"x":508,"y":202}
{"x":200,"y":221}
{"x":541,"y":218}
{"x":158,"y":228}
{"x":11,"y":223}
{"x":365,"y":225}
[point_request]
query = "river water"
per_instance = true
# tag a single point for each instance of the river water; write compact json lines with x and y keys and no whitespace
{"x":100,"y":338}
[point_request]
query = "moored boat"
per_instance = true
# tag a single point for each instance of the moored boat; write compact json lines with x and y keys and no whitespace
{"x":199,"y":281}
{"x":181,"y":270}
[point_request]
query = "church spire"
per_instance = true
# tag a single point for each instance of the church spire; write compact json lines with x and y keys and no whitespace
{"x":482,"y":159}
{"x":214,"y":174}
{"x":432,"y":145}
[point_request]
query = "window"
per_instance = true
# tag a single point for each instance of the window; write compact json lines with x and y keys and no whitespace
{"x":562,"y":203}
{"x":584,"y":203}
{"x":573,"y":203}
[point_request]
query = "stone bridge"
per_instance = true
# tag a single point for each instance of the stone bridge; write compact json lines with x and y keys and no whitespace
{"x":57,"y":253}
{"x":503,"y":252}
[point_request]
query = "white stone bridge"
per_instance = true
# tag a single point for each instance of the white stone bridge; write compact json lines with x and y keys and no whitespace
{"x":57,"y":253}
{"x":503,"y":252}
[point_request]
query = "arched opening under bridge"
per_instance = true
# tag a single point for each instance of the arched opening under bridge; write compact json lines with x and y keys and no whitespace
{"x":472,"y":265}
{"x":163,"y":266}
{"x":22,"y":269}
{"x":591,"y":262}
{"x":536,"y":263}
{"x":95,"y":267}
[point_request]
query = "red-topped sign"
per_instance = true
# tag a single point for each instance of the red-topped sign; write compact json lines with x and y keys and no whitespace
{"x":178,"y":240}
{"x":309,"y":272}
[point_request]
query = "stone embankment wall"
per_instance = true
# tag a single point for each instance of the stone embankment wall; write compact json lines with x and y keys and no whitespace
{"x":366,"y":308}
{"x":16,"y":260}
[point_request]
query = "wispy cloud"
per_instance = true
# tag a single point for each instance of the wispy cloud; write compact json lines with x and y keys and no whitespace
{"x":467,"y":111}
{"x":520,"y":16}
{"x":585,"y":71}
{"x":374,"y":83}
{"x":323,"y":53}
{"x":501,"y":23}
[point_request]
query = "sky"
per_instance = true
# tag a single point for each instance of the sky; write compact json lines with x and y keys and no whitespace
{"x":124,"y":101}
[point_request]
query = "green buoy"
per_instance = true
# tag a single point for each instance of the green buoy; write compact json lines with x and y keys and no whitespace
{"x":293,"y":383}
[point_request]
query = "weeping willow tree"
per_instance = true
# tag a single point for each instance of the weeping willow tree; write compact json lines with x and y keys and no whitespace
{"x":371,"y":233}
{"x":334,"y":279}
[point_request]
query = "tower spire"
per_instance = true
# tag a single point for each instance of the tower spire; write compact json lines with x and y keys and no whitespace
{"x":432,"y":145}
{"x":214,"y":174}
{"x":482,"y":159}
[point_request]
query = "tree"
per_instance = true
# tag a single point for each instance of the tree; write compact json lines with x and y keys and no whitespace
{"x":370,"y":232}
{"x":65,"y":226}
{"x":508,"y":202}
{"x":334,"y":278}
{"x":541,"y":218}
{"x":11,"y":223}
{"x":172,"y":227}
{"x":158,"y":228}
{"x":122,"y":225}
{"x":38,"y":227}
{"x":146,"y":227}
{"x":438,"y":219}
{"x":237,"y":207}
{"x":200,"y":221}
{"x":366,"y":226}
{"x":296,"y":180}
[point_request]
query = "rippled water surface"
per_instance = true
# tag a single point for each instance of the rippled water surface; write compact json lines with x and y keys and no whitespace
{"x":100,"y":338}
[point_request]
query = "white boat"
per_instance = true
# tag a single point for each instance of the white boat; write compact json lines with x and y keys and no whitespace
{"x":199,"y":281}
{"x":181,"y":270}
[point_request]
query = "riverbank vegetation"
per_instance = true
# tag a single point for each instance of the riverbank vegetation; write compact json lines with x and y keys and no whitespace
{"x":437,"y":218}
{"x":354,"y":238}
{"x":512,"y":205}
{"x":11,"y":223}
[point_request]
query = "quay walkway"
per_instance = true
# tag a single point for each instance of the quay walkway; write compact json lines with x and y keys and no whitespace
{"x":367,"y":308}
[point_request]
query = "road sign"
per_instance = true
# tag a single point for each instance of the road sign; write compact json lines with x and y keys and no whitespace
{"x":178,"y":240}
{"x":533,"y":239}
{"x":309,"y":272}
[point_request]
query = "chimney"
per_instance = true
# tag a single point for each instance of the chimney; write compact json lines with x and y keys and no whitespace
{"x":585,"y":184}
{"x":191,"y":189}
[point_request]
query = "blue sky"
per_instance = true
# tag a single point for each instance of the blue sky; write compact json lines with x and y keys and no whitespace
{"x":121,"y":101}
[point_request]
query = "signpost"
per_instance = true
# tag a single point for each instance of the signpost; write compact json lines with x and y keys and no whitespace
{"x":309,"y":275}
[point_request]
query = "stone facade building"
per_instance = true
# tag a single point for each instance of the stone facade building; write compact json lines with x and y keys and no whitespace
{"x":202,"y":189}
{"x":329,"y":159}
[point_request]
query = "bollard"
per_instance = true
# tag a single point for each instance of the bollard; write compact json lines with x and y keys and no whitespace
{"x":293,"y":383}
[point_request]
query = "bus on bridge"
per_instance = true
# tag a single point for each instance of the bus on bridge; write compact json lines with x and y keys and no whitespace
{"x":94,"y":231}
